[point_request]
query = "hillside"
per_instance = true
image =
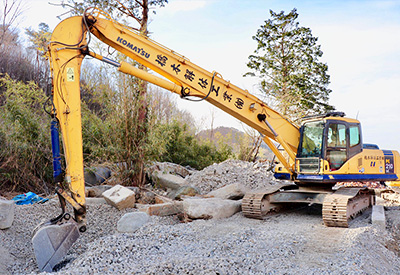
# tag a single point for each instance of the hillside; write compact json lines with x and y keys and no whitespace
{"x":234,"y":138}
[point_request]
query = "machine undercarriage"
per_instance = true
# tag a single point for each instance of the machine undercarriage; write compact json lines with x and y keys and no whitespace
{"x":338,"y":206}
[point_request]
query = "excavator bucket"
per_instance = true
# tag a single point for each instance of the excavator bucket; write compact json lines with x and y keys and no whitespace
{"x":52,"y":242}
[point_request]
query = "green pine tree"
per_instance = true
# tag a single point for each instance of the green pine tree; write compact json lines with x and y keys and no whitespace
{"x":287,"y":59}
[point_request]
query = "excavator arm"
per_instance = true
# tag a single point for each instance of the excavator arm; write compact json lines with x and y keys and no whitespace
{"x":68,"y":47}
{"x":191,"y":80}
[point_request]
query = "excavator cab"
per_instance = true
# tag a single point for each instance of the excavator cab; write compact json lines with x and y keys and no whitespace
{"x":326,"y":143}
{"x":330,"y":151}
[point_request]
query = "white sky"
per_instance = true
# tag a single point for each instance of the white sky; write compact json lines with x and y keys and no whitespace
{"x":360,"y":41}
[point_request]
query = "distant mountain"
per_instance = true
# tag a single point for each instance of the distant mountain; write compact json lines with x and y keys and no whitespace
{"x":233,"y":137}
{"x":229,"y":134}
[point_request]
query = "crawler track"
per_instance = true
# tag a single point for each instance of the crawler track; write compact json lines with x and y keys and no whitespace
{"x":256,"y":205}
{"x":251,"y":205}
{"x":338,"y":208}
{"x":343,"y":205}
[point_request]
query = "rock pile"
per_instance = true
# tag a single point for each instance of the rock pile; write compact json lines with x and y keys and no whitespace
{"x":205,"y":194}
{"x":252,"y":175}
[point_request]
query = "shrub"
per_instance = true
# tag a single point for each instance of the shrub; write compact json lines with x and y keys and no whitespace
{"x":25,"y":147}
{"x":183,"y":148}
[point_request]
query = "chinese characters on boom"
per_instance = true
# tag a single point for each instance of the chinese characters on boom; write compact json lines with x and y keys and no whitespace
{"x":189,"y":75}
{"x":161,"y":60}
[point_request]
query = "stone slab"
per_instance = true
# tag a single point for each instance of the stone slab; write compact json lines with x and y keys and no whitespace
{"x":120,"y":197}
{"x":210,"y":208}
{"x":162,"y":209}
{"x":160,"y":199}
{"x":379,"y":201}
{"x":92,"y":201}
{"x":167,"y":181}
{"x":231,"y":191}
{"x":378,"y":217}
{"x":6,"y":213}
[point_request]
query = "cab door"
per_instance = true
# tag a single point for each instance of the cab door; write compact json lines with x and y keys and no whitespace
{"x":336,"y":145}
{"x":343,"y":140}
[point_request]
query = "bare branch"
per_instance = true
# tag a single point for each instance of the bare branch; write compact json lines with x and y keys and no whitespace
{"x":12,"y":10}
{"x":140,"y":3}
{"x":127,"y":11}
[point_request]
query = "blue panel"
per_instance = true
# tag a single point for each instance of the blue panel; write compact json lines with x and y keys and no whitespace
{"x":387,"y":152}
{"x":311,"y":177}
{"x":282,"y":176}
{"x":348,"y":177}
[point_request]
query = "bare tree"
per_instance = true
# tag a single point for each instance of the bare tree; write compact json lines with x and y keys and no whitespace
{"x":11,"y":11}
{"x":212,"y":118}
{"x":164,"y":110}
{"x":13,"y":59}
{"x":250,"y":145}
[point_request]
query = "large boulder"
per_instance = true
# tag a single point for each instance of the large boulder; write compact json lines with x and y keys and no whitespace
{"x":170,"y":168}
{"x":96,"y":191}
{"x":6,"y":213}
{"x":168,"y":175}
{"x":95,"y":201}
{"x":167,"y":181}
{"x":378,"y":218}
{"x":185,"y":191}
{"x":235,"y":191}
{"x":96,"y":175}
{"x":130,"y":222}
{"x":210,"y":208}
{"x":120,"y":197}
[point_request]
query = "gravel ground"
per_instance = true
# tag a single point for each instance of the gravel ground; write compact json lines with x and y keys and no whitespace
{"x":291,"y":242}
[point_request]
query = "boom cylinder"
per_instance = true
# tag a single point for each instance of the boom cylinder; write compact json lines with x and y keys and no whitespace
{"x":55,"y":147}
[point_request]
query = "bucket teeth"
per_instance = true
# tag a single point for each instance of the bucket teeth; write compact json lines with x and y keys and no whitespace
{"x":52,"y":242}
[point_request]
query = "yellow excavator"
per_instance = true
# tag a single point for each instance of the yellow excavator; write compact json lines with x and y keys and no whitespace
{"x":324,"y":150}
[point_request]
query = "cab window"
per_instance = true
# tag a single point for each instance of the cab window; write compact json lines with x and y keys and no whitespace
{"x":354,"y":136}
{"x":312,"y":136}
{"x":337,"y":135}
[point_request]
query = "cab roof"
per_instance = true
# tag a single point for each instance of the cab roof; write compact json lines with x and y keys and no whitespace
{"x":331,"y":116}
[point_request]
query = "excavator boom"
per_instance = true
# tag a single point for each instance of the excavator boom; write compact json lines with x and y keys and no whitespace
{"x":195,"y":81}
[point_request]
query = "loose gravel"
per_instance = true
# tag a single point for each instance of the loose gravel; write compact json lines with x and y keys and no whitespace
{"x":294,"y":241}
{"x":291,"y":242}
